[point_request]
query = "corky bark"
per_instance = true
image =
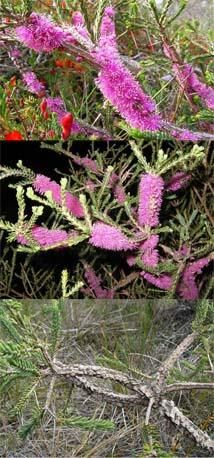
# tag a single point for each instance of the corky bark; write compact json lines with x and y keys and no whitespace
{"x":152,"y":392}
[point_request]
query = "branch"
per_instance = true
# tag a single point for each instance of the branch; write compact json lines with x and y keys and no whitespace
{"x":163,"y":371}
{"x":105,"y":395}
{"x":78,"y":370}
{"x":188,"y":386}
{"x":177,"y":417}
{"x":77,"y":374}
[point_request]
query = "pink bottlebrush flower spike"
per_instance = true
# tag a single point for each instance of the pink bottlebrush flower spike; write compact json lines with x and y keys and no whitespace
{"x":185,"y":135}
{"x":189,"y":80}
{"x":119,"y":193}
{"x":163,"y":281}
{"x":95,"y":284}
{"x":177,"y":181}
{"x":148,"y":252}
{"x":202,"y":90}
{"x":150,"y":256}
{"x":45,"y":237}
{"x":118,"y":85}
{"x":187,"y":287}
{"x":41,"y":34}
{"x":110,"y":238}
{"x":150,"y":199}
{"x":43,"y":184}
{"x":79,"y":23}
{"x":33,"y":84}
{"x":86,"y":162}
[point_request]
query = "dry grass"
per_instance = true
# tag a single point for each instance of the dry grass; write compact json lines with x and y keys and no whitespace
{"x":130,"y":336}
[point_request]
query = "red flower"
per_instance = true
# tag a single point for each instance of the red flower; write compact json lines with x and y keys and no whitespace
{"x":66,"y":123}
{"x":12,"y":81}
{"x":65,"y":134}
{"x":43,"y":106}
{"x":14,"y":135}
{"x":46,"y":115}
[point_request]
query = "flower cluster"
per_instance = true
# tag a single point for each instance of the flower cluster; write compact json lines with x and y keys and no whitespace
{"x":33,"y":84}
{"x":118,"y":85}
{"x":190,"y":82}
{"x":163,"y":281}
{"x":43,"y":184}
{"x":45,"y":237}
{"x":110,"y":238}
{"x":150,"y":199}
{"x":188,"y":288}
{"x":115,"y":80}
{"x":41,"y":35}
{"x":150,"y":255}
{"x":177,"y":181}
{"x":94,"y":283}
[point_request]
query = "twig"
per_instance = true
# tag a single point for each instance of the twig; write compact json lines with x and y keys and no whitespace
{"x":149,"y":409}
{"x":170,"y":361}
{"x":188,"y":386}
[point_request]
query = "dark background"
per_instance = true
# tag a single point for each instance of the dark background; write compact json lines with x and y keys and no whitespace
{"x":46,"y":162}
{"x":40,"y":160}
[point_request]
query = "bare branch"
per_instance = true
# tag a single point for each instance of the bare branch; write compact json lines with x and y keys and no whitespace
{"x":177,"y":417}
{"x":188,"y":386}
{"x":170,"y":361}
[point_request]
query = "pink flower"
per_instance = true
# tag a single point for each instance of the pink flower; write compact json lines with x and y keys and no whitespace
{"x":164,"y":281}
{"x":41,"y":35}
{"x":90,"y":185}
{"x":150,"y":199}
{"x":33,"y":84}
{"x":177,"y":181}
{"x":56,"y":105}
{"x":87,"y":163}
{"x":148,"y":252}
{"x":79,"y":23}
{"x":119,"y":193}
{"x":110,"y":238}
{"x":186,"y":135}
{"x":187,"y":287}
{"x":107,"y":29}
{"x":190,"y":82}
{"x":118,"y":85}
{"x":188,"y":79}
{"x":22,"y":239}
{"x":45,"y":237}
{"x":183,"y":251}
{"x":202,"y":90}
{"x":117,"y":188}
{"x":42,"y":184}
{"x":95,"y":284}
{"x":150,"y":255}
{"x":16,"y":53}
{"x":131,"y":260}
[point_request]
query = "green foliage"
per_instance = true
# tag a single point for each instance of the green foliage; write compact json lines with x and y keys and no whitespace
{"x":141,"y":29}
{"x":89,"y":424}
{"x":152,"y":445}
{"x":30,"y":425}
{"x":185,"y":215}
{"x":131,"y":337}
{"x":22,"y":358}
